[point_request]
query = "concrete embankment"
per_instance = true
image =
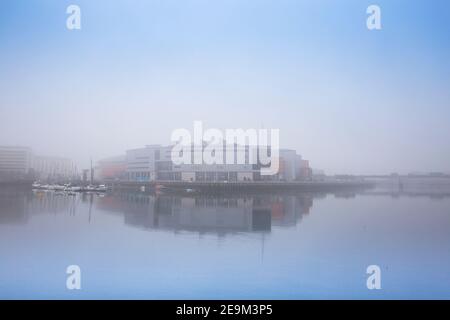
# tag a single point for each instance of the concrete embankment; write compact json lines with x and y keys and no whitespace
{"x":252,"y":186}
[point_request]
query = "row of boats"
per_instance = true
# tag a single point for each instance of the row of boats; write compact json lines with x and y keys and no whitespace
{"x":70,"y":188}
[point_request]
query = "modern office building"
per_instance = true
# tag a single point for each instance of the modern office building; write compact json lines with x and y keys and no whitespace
{"x":53,"y":168}
{"x":141,"y":163}
{"x":15,"y":162}
{"x":154,"y":163}
{"x":111,"y":169}
{"x":305,"y":171}
{"x":20,"y":162}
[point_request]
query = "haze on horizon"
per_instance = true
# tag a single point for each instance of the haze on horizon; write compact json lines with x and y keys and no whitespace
{"x":348,"y":99}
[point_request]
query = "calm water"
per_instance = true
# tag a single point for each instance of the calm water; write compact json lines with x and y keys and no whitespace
{"x":305,"y":245}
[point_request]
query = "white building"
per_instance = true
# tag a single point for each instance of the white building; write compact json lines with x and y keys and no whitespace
{"x":154,"y":162}
{"x":15,"y":162}
{"x":18,"y":162}
{"x":141,"y":163}
{"x":53,"y":168}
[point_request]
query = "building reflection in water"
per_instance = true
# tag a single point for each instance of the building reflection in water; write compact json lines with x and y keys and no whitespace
{"x":197,"y":213}
{"x":17,"y":205}
{"x":222,"y":215}
{"x":209,"y":214}
{"x":14,"y":206}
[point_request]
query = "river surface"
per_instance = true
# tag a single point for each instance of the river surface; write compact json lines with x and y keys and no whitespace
{"x":265,"y":246}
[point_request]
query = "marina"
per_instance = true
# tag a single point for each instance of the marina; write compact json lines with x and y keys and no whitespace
{"x":69,"y":187}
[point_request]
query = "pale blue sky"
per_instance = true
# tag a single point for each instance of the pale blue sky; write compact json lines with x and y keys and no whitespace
{"x":348,"y":99}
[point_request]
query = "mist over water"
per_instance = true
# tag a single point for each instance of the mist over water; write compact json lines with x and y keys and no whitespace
{"x":285,"y":245}
{"x":356,"y":200}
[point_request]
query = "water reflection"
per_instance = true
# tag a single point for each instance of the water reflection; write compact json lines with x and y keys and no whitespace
{"x":219,"y":214}
{"x":286,"y":245}
{"x":207,"y":214}
{"x":18,"y":205}
{"x":195,"y":213}
{"x":430,"y":187}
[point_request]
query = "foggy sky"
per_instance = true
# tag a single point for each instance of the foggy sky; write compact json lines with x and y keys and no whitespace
{"x":348,"y":99}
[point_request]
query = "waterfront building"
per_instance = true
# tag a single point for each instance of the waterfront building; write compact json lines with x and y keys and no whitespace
{"x":141,"y":163}
{"x":154,"y":163}
{"x":19,"y":162}
{"x":289,"y":165}
{"x":15,"y":162}
{"x":113,"y":168}
{"x":305,"y":172}
{"x":53,"y":168}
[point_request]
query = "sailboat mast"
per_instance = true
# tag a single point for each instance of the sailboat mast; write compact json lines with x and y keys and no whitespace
{"x":92,"y":173}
